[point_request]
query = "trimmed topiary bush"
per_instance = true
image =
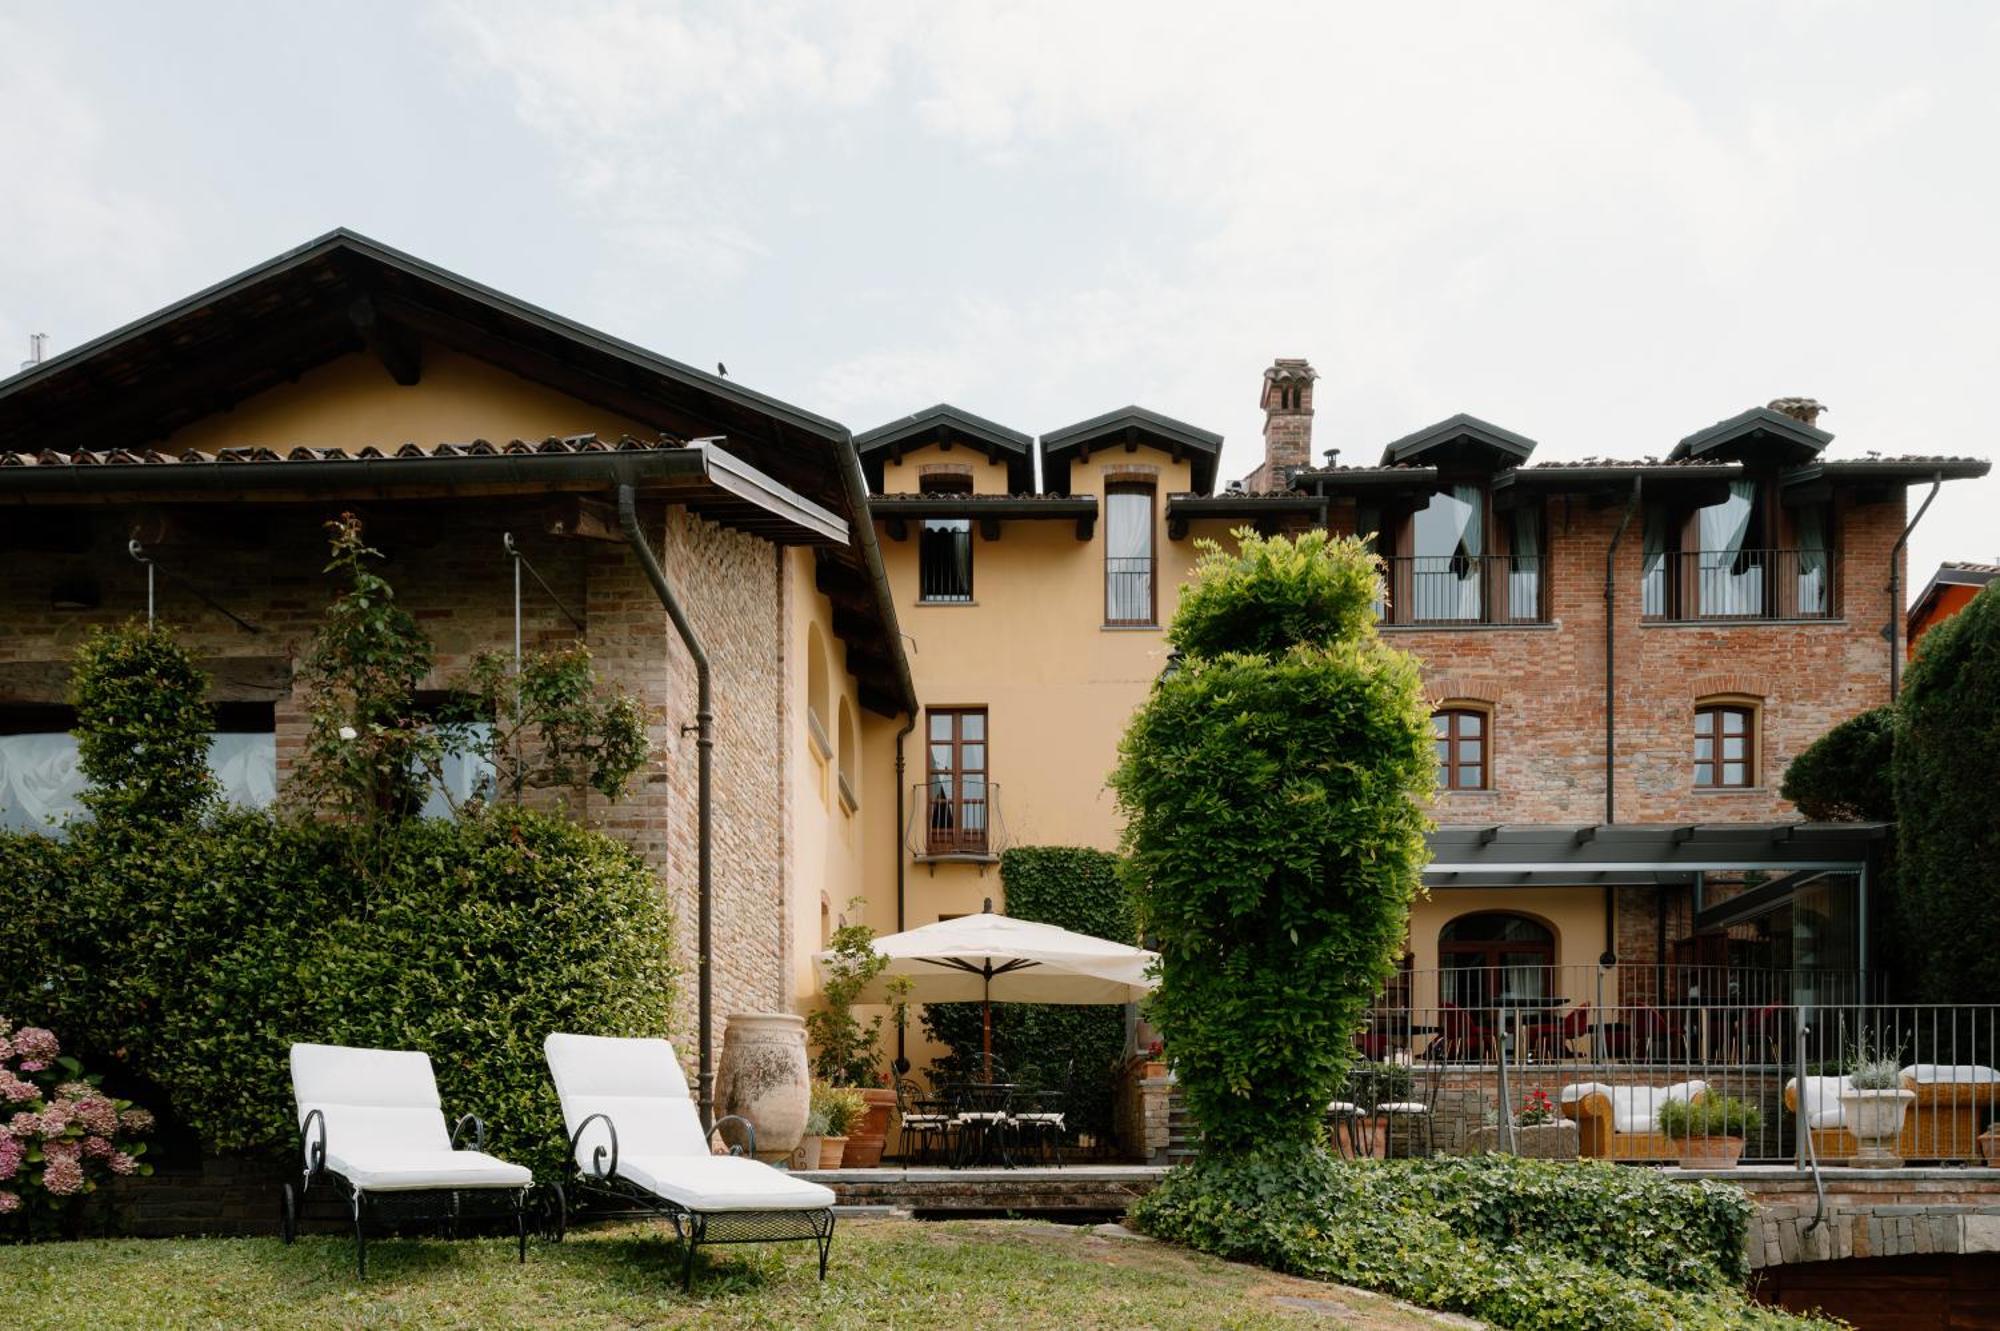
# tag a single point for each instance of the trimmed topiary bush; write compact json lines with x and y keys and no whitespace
{"x":1273,"y":787}
{"x":1947,"y":750}
{"x":1846,"y":775}
{"x":143,"y":723}
{"x":1536,"y":1245}
{"x":1055,"y":1045}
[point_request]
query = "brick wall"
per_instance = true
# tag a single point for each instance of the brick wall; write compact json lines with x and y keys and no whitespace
{"x":447,"y":563}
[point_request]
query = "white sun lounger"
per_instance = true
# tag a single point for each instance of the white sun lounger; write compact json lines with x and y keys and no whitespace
{"x":638,"y":1145}
{"x":371,"y":1124}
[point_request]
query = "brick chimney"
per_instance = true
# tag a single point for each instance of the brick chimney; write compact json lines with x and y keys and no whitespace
{"x":1288,"y":423}
{"x":1798,"y":408}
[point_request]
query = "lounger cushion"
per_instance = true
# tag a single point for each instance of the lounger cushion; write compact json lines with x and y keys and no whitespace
{"x":1963,"y":1074}
{"x":385,"y":1129}
{"x":638,"y":1084}
{"x":722,"y":1183}
{"x":1633,"y":1108}
{"x":1821,"y":1101}
{"x":407,"y":1171}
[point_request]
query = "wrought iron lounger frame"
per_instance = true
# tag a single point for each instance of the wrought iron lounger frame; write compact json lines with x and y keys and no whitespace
{"x":693,"y":1228}
{"x":313,"y":1151}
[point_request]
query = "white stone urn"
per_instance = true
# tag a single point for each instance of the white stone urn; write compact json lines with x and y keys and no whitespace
{"x":762,"y":1077}
{"x":1875,"y":1117}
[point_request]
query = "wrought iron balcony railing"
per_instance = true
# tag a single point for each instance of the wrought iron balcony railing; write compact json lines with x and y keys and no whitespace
{"x":1687,"y":585}
{"x":1466,"y":589}
{"x":955,"y":816}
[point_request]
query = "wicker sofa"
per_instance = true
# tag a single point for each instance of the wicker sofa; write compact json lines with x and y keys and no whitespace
{"x":1954,"y":1102}
{"x":1622,"y":1122}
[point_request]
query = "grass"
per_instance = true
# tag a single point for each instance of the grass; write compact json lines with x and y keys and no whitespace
{"x":885,"y":1274}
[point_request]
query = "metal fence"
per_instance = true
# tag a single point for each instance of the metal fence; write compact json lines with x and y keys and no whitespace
{"x":1740,"y":584}
{"x":1128,"y":590}
{"x":1465,"y":589}
{"x":1610,"y":1065}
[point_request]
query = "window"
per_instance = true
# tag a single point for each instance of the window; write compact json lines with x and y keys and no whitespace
{"x":956,"y":796}
{"x":1725,"y":747}
{"x":1460,"y":735}
{"x":849,"y":800}
{"x":40,"y":783}
{"x":1494,"y":955}
{"x":1438,"y":579}
{"x":1128,"y":554}
{"x":944,"y":561}
{"x":818,"y":694}
{"x":1743,"y":557}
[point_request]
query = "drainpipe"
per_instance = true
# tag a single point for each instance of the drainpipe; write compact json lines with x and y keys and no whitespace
{"x":704,"y":717}
{"x":1896,"y":613}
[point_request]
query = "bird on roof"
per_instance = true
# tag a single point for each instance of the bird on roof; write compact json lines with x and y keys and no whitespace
{"x":722,"y":369}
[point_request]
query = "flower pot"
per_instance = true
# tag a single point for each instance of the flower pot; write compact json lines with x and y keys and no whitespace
{"x":866,"y":1139}
{"x":831,"y":1149}
{"x":1876,"y":1120}
{"x":1534,"y":1141}
{"x":807,"y":1156}
{"x":1153,"y":1068}
{"x":1989,"y":1146}
{"x":1710,"y":1152}
{"x":761,"y":1077}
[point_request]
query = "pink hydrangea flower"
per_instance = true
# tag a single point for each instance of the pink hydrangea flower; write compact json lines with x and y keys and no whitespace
{"x":63,"y":1176}
{"x":76,"y":1090}
{"x":38,"y":1044}
{"x":9,"y":1202}
{"x":34,"y":1065}
{"x":97,"y":1115}
{"x":55,"y":1119}
{"x":15,"y":1091}
{"x":6,"y":1044}
{"x":138,"y":1122}
{"x":11,"y":1155}
{"x":95,"y":1148}
{"x":69,"y":1149}
{"x":25,"y":1123}
{"x":121,"y":1163}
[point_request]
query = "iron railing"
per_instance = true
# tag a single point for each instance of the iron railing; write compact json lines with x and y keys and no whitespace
{"x":1466,"y":589}
{"x":955,"y":815}
{"x":1740,"y":585}
{"x":944,"y":560}
{"x":1128,"y":590}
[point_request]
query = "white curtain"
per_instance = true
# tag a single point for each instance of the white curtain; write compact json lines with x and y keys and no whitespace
{"x":1814,"y":586}
{"x":39,"y":781}
{"x":1732,"y":583}
{"x":1653,"y":575}
{"x":246,"y":766}
{"x":1524,"y":573}
{"x":1447,"y":537}
{"x":1128,"y":556}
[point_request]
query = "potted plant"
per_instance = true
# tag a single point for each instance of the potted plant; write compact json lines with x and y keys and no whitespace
{"x":1155,"y":1064}
{"x":1989,"y":1145}
{"x":839,"y":1108}
{"x":1710,"y":1130}
{"x":808,"y":1155}
{"x":849,"y":1051}
{"x":1538,"y":1133}
{"x":1872,"y":1106}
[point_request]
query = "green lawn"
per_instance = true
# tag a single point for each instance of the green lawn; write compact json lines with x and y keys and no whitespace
{"x":886,"y":1274}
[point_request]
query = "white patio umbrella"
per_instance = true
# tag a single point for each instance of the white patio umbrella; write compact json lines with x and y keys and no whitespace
{"x":988,"y":958}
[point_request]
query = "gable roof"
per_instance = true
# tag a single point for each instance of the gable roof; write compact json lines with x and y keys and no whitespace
{"x":1458,"y":439}
{"x":1130,"y":425}
{"x":1759,"y":433}
{"x":1951,"y":573}
{"x":945,"y":423}
{"x":344,"y":293}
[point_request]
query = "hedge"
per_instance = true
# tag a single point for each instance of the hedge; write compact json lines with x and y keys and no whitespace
{"x":190,"y":958}
{"x":1074,"y":888}
{"x":1947,"y":742}
{"x":1552,"y":1246}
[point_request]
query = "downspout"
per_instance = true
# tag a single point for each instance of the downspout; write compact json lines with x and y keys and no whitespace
{"x":1610,"y":955}
{"x":1896,"y":611}
{"x":704,"y":716}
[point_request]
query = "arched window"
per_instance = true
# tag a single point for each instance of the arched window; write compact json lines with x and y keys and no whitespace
{"x":1725,"y":746}
{"x":818,"y":697}
{"x":1492,"y":956}
{"x":850,"y":759}
{"x":1462,"y":737}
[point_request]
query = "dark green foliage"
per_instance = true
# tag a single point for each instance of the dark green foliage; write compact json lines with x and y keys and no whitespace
{"x":192,"y":959}
{"x":143,"y":723}
{"x":1275,"y":834}
{"x":1710,"y":1116}
{"x":1947,"y":755}
{"x":1517,"y":1243}
{"x":1845,"y":775}
{"x":1070,"y":1048}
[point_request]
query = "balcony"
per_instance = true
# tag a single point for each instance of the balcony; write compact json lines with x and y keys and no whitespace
{"x":1449,"y":591}
{"x":1739,"y":586}
{"x":955,"y":819}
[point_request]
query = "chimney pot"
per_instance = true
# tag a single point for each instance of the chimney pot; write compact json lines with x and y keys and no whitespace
{"x":1288,"y":411}
{"x":1798,"y":408}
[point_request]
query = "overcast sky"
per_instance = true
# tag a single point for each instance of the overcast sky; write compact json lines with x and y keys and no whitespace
{"x":1601,"y":226}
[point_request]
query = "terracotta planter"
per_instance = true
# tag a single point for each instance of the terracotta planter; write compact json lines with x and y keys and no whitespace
{"x":866,"y":1139}
{"x":1710,"y":1152}
{"x":1534,"y":1141}
{"x":1876,"y":1120}
{"x":762,"y":1077}
{"x":831,"y":1149}
{"x":807,"y":1156}
{"x":1152,"y":1068}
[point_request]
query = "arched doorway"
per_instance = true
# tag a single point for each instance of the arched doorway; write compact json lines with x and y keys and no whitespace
{"x":1492,"y":955}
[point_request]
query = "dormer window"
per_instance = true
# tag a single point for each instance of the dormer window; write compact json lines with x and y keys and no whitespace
{"x":1739,"y":557}
{"x":1454,"y":560}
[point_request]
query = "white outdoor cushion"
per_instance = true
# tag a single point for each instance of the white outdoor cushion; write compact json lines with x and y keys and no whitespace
{"x":1821,"y":1101}
{"x":1403,"y":1107}
{"x":385,"y":1129}
{"x":1966,"y":1074}
{"x":1342,"y":1107}
{"x":1633,"y":1108}
{"x":639,"y":1085}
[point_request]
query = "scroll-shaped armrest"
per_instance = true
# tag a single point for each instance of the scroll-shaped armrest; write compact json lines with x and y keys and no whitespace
{"x":313,"y":1148}
{"x":478,"y":1132}
{"x":749,"y":1131}
{"x":599,"y":1169}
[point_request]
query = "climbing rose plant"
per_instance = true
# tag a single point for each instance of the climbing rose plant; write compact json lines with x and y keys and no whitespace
{"x":60,"y":1135}
{"x":1274,"y":789}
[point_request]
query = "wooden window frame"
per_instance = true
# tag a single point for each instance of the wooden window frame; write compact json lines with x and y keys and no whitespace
{"x":1453,"y":713}
{"x":1719,"y":708}
{"x":1151,"y":491}
{"x":955,"y":839}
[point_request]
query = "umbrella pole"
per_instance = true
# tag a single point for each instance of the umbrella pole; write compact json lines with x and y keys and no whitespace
{"x":986,"y":1025}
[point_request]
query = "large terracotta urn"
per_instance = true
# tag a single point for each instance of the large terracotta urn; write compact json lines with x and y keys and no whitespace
{"x":761,"y":1076}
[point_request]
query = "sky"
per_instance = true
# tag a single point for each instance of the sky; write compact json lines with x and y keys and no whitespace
{"x":1602,"y":226}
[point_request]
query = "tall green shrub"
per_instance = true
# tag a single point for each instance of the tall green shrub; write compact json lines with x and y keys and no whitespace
{"x":1072,"y":1048}
{"x":1947,"y":751}
{"x":143,"y":724}
{"x":1844,"y":776}
{"x":1273,"y":790}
